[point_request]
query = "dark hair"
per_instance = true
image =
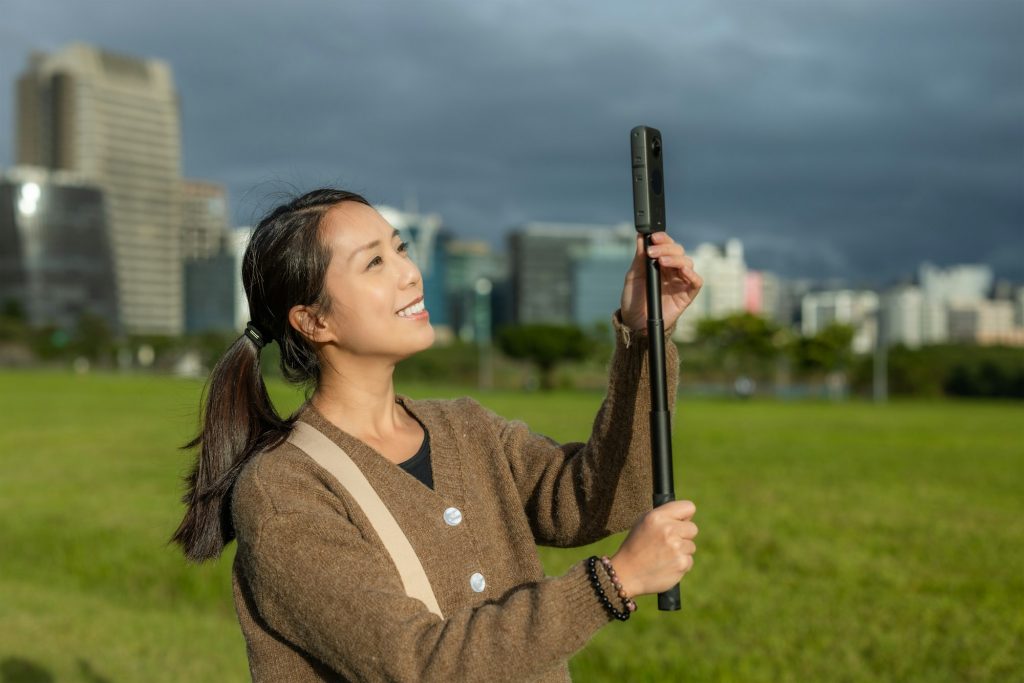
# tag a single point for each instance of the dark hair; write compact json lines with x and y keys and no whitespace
{"x":284,"y":265}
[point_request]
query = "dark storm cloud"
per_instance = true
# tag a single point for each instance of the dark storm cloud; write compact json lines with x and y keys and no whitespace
{"x":852,"y":137}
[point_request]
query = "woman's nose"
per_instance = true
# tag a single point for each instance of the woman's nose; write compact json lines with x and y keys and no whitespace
{"x":411,"y":274}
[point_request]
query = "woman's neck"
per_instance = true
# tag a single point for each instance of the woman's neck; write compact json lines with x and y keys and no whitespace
{"x":362,"y":406}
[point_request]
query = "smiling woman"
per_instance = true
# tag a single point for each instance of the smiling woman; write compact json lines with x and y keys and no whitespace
{"x":385,"y":538}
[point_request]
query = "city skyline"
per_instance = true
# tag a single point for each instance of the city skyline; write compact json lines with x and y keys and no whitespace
{"x":851,"y":141}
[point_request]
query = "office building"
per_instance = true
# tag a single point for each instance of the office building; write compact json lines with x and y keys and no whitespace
{"x":204,"y":225}
{"x":55,"y":261}
{"x":598,"y":272}
{"x":115,"y":121}
{"x":210,"y":293}
{"x":541,"y":267}
{"x":472,"y":268}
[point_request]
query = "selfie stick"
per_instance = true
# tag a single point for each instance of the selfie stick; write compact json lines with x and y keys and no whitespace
{"x":649,"y":217}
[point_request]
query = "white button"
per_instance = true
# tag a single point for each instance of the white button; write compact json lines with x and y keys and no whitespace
{"x":477,"y":582}
{"x":452,"y":516}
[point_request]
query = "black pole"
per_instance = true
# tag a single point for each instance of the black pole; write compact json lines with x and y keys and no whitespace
{"x":649,"y":217}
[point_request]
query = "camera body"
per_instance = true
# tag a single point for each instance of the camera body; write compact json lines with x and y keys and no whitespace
{"x":648,"y":180}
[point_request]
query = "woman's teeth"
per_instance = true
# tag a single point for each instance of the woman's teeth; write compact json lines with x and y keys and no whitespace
{"x":411,"y":310}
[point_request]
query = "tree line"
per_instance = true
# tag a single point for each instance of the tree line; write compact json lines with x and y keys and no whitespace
{"x":740,"y":350}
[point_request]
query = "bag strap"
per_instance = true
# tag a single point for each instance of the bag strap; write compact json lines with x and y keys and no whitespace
{"x":335,"y":460}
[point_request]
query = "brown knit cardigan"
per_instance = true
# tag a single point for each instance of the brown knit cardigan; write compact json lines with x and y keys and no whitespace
{"x":319,"y":599}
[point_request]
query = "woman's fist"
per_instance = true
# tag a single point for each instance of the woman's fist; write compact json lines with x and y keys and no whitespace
{"x":658,"y":550}
{"x":679,"y":282}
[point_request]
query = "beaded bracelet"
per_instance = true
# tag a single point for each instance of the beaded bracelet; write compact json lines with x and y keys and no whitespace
{"x":627,"y":601}
{"x":628,"y":605}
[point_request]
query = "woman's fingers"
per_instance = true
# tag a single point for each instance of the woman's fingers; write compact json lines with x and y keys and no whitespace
{"x":674,"y":261}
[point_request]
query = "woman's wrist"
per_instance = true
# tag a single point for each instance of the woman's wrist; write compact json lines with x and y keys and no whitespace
{"x":626,"y":575}
{"x":616,"y":602}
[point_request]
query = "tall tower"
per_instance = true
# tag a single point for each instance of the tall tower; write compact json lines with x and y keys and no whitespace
{"x":115,"y":121}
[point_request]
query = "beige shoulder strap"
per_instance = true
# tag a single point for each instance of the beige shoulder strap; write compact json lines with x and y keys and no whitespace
{"x":335,"y":460}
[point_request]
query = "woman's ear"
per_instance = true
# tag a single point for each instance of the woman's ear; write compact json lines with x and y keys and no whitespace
{"x":311,"y":326}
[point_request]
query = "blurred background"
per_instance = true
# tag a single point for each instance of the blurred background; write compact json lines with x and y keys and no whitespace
{"x":848,"y":177}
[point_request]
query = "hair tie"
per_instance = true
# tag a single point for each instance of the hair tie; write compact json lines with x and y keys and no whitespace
{"x":258,"y":338}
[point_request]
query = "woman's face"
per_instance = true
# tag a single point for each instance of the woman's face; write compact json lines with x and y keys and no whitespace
{"x":371,"y":279}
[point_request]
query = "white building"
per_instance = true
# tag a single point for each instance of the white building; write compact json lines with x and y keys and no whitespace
{"x":984,"y":322}
{"x":724,"y":271}
{"x":956,"y":283}
{"x":848,"y":307}
{"x":912,"y":319}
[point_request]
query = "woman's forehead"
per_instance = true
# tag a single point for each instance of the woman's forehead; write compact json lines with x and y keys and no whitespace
{"x":351,"y":225}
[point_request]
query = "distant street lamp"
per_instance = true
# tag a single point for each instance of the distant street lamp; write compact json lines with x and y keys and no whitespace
{"x":880,"y":367}
{"x":482,"y":331}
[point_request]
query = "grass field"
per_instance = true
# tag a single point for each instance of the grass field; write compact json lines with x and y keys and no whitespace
{"x":839,"y":542}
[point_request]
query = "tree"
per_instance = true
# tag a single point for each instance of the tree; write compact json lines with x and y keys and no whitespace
{"x":13,"y":323}
{"x":828,"y":351}
{"x":92,"y":337}
{"x":545,"y":346}
{"x":742,"y":342}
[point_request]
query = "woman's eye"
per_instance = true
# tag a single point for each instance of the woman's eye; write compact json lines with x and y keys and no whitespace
{"x":404,"y":246}
{"x":375,"y":261}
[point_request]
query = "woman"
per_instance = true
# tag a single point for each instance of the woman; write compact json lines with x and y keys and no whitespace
{"x":317,"y":594}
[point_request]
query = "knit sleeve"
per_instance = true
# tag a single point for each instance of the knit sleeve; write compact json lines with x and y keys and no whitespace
{"x":319,"y":585}
{"x":577,"y":493}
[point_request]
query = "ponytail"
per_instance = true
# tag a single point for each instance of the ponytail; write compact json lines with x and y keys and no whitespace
{"x":239,"y":421}
{"x":284,"y":265}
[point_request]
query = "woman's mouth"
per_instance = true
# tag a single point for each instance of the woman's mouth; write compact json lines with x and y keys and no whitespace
{"x":414,"y":311}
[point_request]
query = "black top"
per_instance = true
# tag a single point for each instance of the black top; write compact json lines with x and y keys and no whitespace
{"x":419,"y":464}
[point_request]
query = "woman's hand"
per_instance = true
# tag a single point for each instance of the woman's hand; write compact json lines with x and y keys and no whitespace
{"x":658,"y":550}
{"x":679,"y":282}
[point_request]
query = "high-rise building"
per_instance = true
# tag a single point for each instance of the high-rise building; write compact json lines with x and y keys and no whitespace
{"x":541,"y":266}
{"x":468,"y":263}
{"x":598,"y":271}
{"x":204,"y":224}
{"x":115,"y":120}
{"x":55,"y":263}
{"x":209,"y":258}
{"x":210,"y":293}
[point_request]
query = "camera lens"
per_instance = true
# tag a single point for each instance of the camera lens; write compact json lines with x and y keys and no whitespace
{"x":656,"y":147}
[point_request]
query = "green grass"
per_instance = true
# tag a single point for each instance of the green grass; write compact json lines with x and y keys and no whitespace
{"x":839,"y":542}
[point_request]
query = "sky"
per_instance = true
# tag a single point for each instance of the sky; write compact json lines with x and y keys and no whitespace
{"x":838,"y":139}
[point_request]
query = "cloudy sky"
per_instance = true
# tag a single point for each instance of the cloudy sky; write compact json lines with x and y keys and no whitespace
{"x":836,"y":138}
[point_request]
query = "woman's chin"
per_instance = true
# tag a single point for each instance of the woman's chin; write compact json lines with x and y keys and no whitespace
{"x":421,"y":339}
{"x":431,"y":335}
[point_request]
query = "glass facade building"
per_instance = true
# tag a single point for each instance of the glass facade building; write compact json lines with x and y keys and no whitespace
{"x":55,"y":258}
{"x":210,"y":293}
{"x":114,"y":120}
